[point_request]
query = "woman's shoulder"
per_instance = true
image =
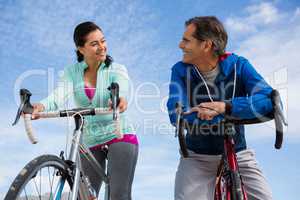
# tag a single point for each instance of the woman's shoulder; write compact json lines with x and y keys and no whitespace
{"x":75,"y":67}
{"x":72,"y":70}
{"x":118,"y":70}
{"x":117,"y":66}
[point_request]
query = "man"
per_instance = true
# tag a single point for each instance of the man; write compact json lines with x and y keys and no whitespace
{"x":227,"y":84}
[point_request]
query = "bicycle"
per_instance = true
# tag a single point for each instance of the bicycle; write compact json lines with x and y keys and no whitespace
{"x":66,"y":178}
{"x":229,"y":184}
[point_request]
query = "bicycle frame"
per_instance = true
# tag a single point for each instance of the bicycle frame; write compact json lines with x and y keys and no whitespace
{"x":75,"y":172}
{"x":229,"y":184}
{"x":74,"y":158}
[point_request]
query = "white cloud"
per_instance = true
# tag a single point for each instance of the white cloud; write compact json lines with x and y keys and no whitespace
{"x":236,"y":25}
{"x":273,"y":51}
{"x":263,"y":13}
{"x":257,"y":16}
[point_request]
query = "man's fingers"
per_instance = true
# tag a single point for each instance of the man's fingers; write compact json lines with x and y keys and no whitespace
{"x":195,"y":109}
{"x":206,"y":104}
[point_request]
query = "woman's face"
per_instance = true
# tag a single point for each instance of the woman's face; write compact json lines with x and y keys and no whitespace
{"x":94,"y":48}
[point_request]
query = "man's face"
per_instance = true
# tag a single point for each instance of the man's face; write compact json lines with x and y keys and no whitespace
{"x":192,"y":48}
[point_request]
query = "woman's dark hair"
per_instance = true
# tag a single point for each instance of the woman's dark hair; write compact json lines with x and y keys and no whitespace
{"x":79,"y":37}
{"x":209,"y":27}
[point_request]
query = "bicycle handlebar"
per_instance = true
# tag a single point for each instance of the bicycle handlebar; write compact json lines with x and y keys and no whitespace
{"x":275,"y":114}
{"x":27,"y":109}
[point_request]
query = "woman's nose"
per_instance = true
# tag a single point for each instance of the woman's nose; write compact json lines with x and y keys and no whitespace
{"x":101,"y":46}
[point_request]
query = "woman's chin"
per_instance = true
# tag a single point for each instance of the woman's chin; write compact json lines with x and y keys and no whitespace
{"x":101,"y":58}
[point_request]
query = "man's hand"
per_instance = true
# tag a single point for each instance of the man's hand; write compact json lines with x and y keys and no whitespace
{"x":122,"y":104}
{"x":208,"y":110}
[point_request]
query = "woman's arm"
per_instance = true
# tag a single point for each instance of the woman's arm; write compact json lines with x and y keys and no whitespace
{"x":60,"y":94}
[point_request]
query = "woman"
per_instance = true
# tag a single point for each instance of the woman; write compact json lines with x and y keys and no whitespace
{"x":87,"y":81}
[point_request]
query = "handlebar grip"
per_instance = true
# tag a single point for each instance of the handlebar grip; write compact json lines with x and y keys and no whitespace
{"x":275,"y":96}
{"x":279,"y":138}
{"x":181,"y":138}
{"x":28,"y":128}
{"x":279,"y":130}
{"x":118,"y":132}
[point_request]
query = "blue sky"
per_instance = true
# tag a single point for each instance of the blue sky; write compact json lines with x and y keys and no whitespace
{"x":36,"y":43}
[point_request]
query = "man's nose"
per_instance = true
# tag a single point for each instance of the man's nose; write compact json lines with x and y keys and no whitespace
{"x":181,"y":45}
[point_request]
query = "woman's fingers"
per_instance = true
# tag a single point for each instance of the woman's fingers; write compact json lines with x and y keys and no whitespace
{"x":109,"y":104}
{"x":35,"y":112}
{"x":37,"y":107}
{"x":122,"y":104}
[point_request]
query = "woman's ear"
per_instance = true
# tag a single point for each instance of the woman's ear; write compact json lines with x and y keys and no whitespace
{"x":81,"y":50}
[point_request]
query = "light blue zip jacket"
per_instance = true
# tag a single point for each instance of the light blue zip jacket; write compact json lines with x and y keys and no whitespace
{"x":97,"y":129}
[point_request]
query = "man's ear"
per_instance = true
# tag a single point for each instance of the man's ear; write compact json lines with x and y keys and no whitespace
{"x":208,"y":45}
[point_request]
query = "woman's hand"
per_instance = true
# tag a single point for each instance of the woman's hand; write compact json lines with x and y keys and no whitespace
{"x":208,"y":110}
{"x":122,"y":104}
{"x":37,"y":107}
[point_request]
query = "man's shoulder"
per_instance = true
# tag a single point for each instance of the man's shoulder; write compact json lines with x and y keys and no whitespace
{"x":231,"y":61}
{"x":180,"y":67}
{"x":239,"y":59}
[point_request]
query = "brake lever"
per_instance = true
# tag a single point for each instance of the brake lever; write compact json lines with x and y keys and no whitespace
{"x":25,"y":105}
{"x":114,"y":95}
{"x":179,"y":110}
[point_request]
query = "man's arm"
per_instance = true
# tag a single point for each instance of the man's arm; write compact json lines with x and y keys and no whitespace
{"x":257,"y":102}
{"x":177,"y":93}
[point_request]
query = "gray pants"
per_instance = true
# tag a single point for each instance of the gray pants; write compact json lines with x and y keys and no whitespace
{"x":196,"y":177}
{"x":121,"y":158}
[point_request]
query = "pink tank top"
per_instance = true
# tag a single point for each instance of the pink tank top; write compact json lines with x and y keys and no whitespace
{"x":89,"y":91}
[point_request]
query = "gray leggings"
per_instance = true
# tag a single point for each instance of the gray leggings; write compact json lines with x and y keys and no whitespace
{"x":121,"y":158}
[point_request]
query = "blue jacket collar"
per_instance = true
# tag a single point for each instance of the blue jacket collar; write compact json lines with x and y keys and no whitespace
{"x":227,"y":65}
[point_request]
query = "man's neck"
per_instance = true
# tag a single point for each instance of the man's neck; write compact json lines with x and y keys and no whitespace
{"x":206,"y":65}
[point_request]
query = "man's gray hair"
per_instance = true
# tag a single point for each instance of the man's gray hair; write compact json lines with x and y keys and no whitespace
{"x":209,"y":27}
